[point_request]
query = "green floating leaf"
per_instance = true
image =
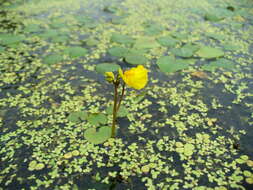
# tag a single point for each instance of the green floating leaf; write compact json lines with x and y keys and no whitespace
{"x":168,"y":64}
{"x":32,"y":28}
{"x":213,"y":17}
{"x":221,"y":63}
{"x":123,"y":112}
{"x":97,"y":137}
{"x":52,"y":59}
{"x":110,"y":9}
{"x":122,"y":39}
{"x":209,"y":52}
{"x":2,"y":49}
{"x":168,"y":41}
{"x":97,"y":118}
{"x":136,"y":59}
{"x":49,"y":34}
{"x":118,"y":51}
{"x":77,"y":116}
{"x":91,"y":42}
{"x":216,"y":36}
{"x":146,"y":43}
{"x":11,"y":39}
{"x":180,"y":36}
{"x":186,"y":51}
{"x":75,"y":52}
{"x":107,"y":67}
{"x":154,"y":29}
{"x":60,"y":38}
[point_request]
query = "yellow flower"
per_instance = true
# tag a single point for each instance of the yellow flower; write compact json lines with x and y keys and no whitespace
{"x":109,"y":76}
{"x":136,"y":78}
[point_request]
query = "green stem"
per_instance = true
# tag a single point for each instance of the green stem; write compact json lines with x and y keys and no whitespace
{"x":116,"y":84}
{"x":121,"y":96}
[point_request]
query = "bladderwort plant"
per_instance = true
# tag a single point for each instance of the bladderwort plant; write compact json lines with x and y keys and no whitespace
{"x":135,"y":78}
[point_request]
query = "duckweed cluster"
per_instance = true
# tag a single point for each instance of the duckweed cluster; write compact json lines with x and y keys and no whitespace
{"x":190,"y":128}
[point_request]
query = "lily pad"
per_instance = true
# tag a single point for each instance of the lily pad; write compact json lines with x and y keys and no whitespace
{"x":32,"y":28}
{"x":136,"y":59}
{"x":75,"y":52}
{"x":146,"y":43}
{"x":186,"y":51}
{"x":168,"y":41}
{"x":122,"y":39}
{"x":49,"y":34}
{"x":97,"y":137}
{"x":168,"y":64}
{"x":209,"y":52}
{"x":107,"y":67}
{"x":10,"y":39}
{"x":221,"y":63}
{"x":2,"y":49}
{"x":153,"y":29}
{"x":97,"y":118}
{"x":52,"y":59}
{"x":118,"y":51}
{"x":77,"y":116}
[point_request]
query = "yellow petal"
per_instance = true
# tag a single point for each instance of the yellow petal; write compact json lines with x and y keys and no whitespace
{"x":136,"y":77}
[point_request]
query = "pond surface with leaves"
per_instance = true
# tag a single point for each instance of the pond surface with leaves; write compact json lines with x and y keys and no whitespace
{"x":189,"y":128}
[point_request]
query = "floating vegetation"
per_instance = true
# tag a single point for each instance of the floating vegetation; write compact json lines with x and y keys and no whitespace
{"x":189,"y":128}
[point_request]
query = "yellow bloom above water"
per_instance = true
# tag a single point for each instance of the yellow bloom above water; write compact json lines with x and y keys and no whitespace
{"x":136,"y":78}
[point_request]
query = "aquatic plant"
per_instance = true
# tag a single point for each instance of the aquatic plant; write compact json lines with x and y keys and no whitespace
{"x":136,"y":78}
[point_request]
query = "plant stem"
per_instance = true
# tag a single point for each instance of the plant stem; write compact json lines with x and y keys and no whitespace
{"x":116,"y":84}
{"x":121,"y":96}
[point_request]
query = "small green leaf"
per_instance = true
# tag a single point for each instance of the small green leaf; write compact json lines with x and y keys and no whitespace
{"x":107,"y":67}
{"x":168,"y":41}
{"x":209,"y":52}
{"x":221,"y":63}
{"x":76,"y":117}
{"x":122,"y":39}
{"x":97,"y":137}
{"x":136,"y":59}
{"x":186,"y":51}
{"x":146,"y":43}
{"x":39,"y":166}
{"x":75,"y":52}
{"x":52,"y":59}
{"x":97,"y":118}
{"x":168,"y":64}
{"x":118,"y":51}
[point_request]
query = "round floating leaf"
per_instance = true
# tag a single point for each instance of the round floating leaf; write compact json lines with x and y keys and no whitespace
{"x":123,"y":112}
{"x":145,"y":169}
{"x":118,"y":51}
{"x":154,"y":29}
{"x":107,"y":67}
{"x":49,"y":34}
{"x":110,"y":9}
{"x":97,"y":137}
{"x":122,"y":39}
{"x":2,"y":49}
{"x":97,"y":118}
{"x":213,"y":17}
{"x":76,"y":117}
{"x":180,"y":36}
{"x":186,"y":51}
{"x":168,"y":41}
{"x":136,"y":59}
{"x":209,"y":52}
{"x":60,"y":38}
{"x":168,"y":64}
{"x":32,"y":28}
{"x":11,"y":39}
{"x":146,"y":43}
{"x":52,"y":59}
{"x":75,"y":52}
{"x":39,"y":166}
{"x":188,"y":149}
{"x":92,"y":42}
{"x":221,"y":63}
{"x":32,"y":165}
